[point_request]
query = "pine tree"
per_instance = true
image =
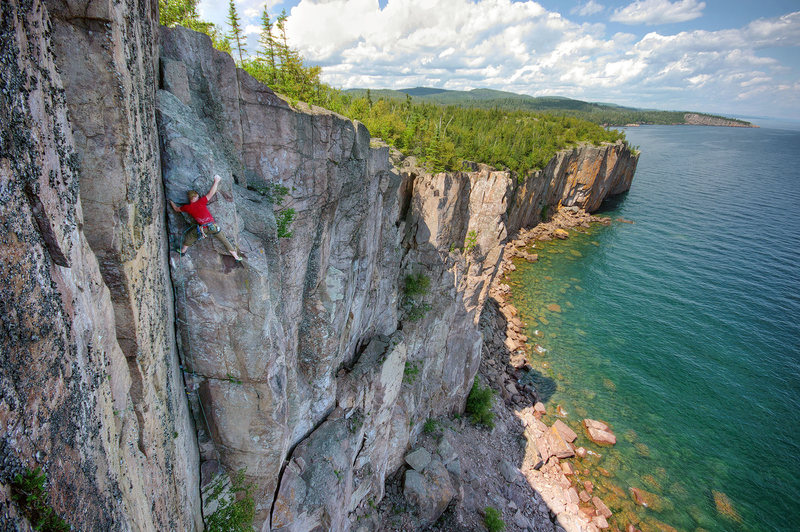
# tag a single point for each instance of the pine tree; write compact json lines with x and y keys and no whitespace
{"x":267,"y":41}
{"x":283,"y":51}
{"x":236,"y":34}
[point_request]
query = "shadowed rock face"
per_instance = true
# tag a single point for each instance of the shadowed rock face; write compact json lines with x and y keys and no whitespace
{"x":89,"y":385}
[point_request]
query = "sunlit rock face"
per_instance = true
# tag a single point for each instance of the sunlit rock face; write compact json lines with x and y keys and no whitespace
{"x":272,"y":344}
{"x":313,"y":364}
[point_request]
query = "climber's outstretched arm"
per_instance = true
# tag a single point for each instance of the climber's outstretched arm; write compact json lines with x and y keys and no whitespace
{"x":213,"y":190}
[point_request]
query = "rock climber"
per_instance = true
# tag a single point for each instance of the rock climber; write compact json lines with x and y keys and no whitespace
{"x":198,"y":210}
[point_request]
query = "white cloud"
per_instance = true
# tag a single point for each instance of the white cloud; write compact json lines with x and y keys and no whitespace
{"x":589,"y":8}
{"x":653,"y":12}
{"x":521,"y":47}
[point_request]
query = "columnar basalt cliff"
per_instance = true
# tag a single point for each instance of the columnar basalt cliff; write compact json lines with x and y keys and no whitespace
{"x":313,"y":364}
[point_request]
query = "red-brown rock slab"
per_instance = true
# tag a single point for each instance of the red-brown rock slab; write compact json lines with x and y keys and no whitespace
{"x":511,"y":344}
{"x":572,"y":496}
{"x":593,"y":423}
{"x":602,"y":437}
{"x":647,"y":499}
{"x":585,"y":497}
{"x":599,"y":432}
{"x":587,"y":484}
{"x":600,"y":521}
{"x":602,"y":509}
{"x":559,"y":445}
{"x":567,"y":433}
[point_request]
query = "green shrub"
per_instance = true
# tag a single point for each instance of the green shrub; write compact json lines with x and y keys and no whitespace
{"x":415,"y":289}
{"x":410,"y":372}
{"x":284,"y":219}
{"x":430,"y":426}
{"x":417,"y":285}
{"x":471,"y":241}
{"x":492,"y":520}
{"x":236,"y":511}
{"x":479,"y":404}
{"x":27,"y":490}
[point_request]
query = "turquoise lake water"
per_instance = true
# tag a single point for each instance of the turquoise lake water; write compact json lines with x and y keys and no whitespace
{"x":682,"y":331}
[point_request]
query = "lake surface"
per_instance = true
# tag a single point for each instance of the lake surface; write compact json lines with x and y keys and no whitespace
{"x":682,"y":331}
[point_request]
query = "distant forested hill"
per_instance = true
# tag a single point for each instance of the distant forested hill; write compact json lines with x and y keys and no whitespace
{"x":599,"y":113}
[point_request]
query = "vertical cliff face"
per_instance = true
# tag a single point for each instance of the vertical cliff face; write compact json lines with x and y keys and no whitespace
{"x":90,"y":389}
{"x":313,"y":364}
{"x":582,"y":177}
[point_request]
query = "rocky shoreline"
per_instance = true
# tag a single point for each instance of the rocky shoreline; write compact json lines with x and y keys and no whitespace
{"x":521,"y":466}
{"x":549,"y":442}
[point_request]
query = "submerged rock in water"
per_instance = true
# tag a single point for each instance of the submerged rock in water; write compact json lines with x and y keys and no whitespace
{"x":599,"y":432}
{"x":725,"y":506}
{"x":647,"y":499}
{"x":554,"y":307}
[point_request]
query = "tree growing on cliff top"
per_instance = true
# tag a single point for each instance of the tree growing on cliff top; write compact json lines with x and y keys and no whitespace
{"x":266,"y":53}
{"x":236,"y":34}
{"x":282,"y":68}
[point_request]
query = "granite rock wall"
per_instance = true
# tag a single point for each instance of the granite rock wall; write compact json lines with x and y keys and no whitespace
{"x":90,"y":387}
{"x":311,"y":364}
{"x":133,"y":375}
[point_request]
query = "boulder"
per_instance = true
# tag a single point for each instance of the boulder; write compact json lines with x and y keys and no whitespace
{"x":512,"y":389}
{"x":558,"y":445}
{"x":445,"y":449}
{"x":602,"y":509}
{"x":593,"y":423}
{"x":600,"y":521}
{"x":599,"y":432}
{"x":510,"y":473}
{"x":561,"y":234}
{"x":418,"y":459}
{"x":567,"y":433}
{"x":430,"y":491}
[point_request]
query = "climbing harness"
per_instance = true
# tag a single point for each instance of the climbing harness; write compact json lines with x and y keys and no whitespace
{"x":201,"y":230}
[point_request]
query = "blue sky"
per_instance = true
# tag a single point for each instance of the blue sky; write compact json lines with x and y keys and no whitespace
{"x":734,"y":57}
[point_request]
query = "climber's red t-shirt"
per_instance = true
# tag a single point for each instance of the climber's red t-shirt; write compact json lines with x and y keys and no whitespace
{"x":199,"y":211}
